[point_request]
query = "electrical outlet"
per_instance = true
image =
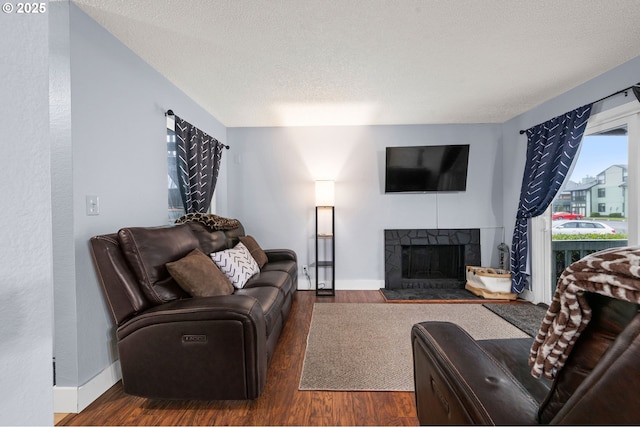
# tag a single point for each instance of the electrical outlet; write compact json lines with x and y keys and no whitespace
{"x":305,"y":269}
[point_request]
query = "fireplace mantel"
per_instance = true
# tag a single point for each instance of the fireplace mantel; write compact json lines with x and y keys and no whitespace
{"x":394,"y":240}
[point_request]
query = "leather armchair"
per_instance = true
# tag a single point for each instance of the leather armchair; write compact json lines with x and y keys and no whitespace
{"x":459,"y":380}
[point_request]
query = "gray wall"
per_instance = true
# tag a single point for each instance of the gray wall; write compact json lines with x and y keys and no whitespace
{"x":271,"y":188}
{"x":26,"y":274}
{"x":109,"y":137}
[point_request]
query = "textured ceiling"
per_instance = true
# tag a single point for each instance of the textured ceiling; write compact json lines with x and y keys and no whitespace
{"x":353,"y":62}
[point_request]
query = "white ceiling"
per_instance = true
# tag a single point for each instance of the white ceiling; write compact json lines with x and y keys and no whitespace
{"x":354,"y":62}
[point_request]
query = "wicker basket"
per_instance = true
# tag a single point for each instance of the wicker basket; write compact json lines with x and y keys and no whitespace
{"x":488,"y":282}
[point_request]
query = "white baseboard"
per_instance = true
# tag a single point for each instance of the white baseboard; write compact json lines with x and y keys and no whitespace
{"x":359,"y":285}
{"x":344,"y":285}
{"x":75,"y":399}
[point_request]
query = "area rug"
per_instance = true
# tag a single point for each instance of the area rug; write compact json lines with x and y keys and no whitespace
{"x":526,"y":317}
{"x":367,"y":347}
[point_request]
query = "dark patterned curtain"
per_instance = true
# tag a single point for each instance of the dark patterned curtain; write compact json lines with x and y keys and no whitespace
{"x":551,"y":147}
{"x":198,"y":159}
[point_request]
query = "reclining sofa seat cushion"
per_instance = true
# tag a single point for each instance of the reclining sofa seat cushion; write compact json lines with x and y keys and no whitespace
{"x":281,"y":260}
{"x":277,"y":279}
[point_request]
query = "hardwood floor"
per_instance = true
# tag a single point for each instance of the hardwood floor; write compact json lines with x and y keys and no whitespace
{"x":281,"y":403}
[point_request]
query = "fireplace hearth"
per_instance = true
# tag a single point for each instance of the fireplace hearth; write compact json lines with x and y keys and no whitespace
{"x":429,"y":258}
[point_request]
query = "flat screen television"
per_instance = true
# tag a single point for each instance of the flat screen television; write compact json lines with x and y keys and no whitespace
{"x":426,"y":168}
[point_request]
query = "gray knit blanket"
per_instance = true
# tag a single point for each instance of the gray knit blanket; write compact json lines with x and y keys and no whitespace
{"x":612,"y":272}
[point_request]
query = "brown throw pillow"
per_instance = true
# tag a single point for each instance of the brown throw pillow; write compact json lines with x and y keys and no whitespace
{"x":255,"y":250}
{"x":199,"y":276}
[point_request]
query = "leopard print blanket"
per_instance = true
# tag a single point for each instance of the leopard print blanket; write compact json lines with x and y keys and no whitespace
{"x":212,"y":221}
{"x":612,"y":272}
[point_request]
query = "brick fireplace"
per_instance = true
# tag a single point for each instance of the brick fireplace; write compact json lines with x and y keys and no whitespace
{"x":429,"y":258}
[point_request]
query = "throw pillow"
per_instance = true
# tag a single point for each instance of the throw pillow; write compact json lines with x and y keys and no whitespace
{"x":199,"y":276}
{"x":255,"y":250}
{"x":237,"y":264}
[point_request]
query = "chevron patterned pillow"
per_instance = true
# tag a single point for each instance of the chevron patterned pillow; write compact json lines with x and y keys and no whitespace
{"x":237,"y":264}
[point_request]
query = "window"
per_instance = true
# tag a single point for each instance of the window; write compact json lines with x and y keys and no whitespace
{"x":176,"y":208}
{"x":621,"y":202}
{"x":601,"y":193}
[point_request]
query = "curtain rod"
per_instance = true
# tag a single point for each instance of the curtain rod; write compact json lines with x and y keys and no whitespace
{"x":170,"y":113}
{"x":603,"y":98}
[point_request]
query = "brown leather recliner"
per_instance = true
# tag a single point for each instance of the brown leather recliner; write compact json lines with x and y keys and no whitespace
{"x":172,"y":346}
{"x":459,"y":380}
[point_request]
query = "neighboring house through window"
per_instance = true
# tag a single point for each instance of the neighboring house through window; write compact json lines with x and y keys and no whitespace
{"x":602,"y":178}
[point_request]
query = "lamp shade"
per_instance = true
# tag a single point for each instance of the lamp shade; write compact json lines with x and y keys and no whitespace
{"x":325,"y":193}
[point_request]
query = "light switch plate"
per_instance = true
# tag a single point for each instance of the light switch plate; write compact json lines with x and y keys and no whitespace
{"x":93,"y":205}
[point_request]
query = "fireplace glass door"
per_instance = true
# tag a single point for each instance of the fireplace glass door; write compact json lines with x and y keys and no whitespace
{"x":432,"y":262}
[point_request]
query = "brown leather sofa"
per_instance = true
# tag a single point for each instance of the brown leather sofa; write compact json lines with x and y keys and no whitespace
{"x":459,"y":380}
{"x":173,"y":346}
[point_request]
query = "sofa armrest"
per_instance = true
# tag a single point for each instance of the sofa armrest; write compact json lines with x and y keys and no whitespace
{"x":274,"y":255}
{"x":457,"y":382}
{"x":197,"y":348}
